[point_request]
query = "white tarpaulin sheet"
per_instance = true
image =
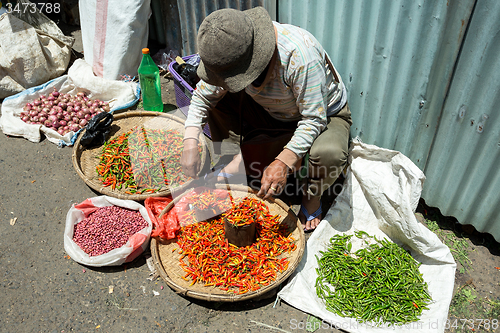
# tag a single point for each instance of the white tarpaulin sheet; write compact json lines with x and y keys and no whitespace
{"x":380,"y":196}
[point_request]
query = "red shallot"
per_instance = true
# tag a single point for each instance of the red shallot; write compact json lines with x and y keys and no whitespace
{"x":62,"y":113}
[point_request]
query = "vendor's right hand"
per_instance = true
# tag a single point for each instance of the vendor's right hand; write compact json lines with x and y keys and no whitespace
{"x":190,"y":158}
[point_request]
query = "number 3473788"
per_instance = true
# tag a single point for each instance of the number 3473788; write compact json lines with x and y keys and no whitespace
{"x":489,"y":324}
{"x":41,"y":7}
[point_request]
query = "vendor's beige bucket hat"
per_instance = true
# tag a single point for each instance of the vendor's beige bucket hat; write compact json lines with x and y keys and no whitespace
{"x":235,"y":47}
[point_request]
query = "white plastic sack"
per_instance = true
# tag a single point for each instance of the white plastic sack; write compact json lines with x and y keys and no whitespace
{"x":30,"y":55}
{"x":113,"y":34}
{"x":380,"y":195}
{"x":128,"y":252}
{"x":119,"y":94}
{"x":24,"y":10}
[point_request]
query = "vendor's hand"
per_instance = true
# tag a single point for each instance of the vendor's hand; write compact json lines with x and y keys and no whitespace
{"x":273,"y":180}
{"x":190,"y":158}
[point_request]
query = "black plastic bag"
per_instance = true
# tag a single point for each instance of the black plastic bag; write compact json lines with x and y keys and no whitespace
{"x":188,"y":73}
{"x":97,"y":130}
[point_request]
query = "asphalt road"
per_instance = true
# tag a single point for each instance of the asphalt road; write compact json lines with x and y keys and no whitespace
{"x":43,"y":290}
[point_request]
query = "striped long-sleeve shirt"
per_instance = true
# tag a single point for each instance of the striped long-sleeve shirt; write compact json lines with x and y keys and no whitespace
{"x":300,"y":88}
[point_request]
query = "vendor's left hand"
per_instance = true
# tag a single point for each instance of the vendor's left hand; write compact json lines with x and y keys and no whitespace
{"x":273,"y":180}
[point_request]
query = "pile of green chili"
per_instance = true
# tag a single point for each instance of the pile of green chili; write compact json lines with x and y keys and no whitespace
{"x":378,"y":283}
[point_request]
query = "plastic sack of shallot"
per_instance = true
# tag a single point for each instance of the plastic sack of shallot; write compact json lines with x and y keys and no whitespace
{"x":60,"y":108}
{"x":106,"y":231}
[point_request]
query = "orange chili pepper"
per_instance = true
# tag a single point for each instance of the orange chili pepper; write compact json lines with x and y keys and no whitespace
{"x":233,"y":269}
{"x":115,"y":160}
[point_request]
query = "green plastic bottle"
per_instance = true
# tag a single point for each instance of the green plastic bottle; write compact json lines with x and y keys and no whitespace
{"x":149,"y":78}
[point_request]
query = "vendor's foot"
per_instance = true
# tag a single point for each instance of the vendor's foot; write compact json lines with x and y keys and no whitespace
{"x":310,"y":213}
{"x":234,"y":167}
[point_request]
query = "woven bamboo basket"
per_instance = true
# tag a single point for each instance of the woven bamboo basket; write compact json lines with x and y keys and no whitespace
{"x":85,"y":160}
{"x":166,"y":260}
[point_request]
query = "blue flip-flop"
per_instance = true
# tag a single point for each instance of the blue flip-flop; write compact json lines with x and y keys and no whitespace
{"x":225,"y":175}
{"x":218,"y":171}
{"x":312,"y":216}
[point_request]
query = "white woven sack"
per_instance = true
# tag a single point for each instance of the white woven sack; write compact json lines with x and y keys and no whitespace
{"x":113,"y":34}
{"x":40,"y":56}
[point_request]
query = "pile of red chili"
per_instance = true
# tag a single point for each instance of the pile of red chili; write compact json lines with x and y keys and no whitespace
{"x":114,"y":166}
{"x":245,"y":212}
{"x":142,"y":160}
{"x":212,"y":261}
{"x":212,"y":201}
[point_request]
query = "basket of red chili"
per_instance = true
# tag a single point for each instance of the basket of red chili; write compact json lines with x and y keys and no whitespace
{"x":203,"y":264}
{"x":140,"y":159}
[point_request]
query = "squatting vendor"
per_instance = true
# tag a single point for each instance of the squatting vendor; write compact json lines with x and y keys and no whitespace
{"x":272,"y":88}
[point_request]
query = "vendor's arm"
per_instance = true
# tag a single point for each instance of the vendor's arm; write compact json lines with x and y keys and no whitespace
{"x":308,"y":82}
{"x":204,"y":98}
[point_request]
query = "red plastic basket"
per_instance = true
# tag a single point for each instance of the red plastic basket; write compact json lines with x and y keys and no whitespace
{"x":184,"y":92}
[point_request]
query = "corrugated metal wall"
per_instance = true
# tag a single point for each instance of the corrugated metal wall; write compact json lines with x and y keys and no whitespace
{"x":401,"y":61}
{"x":463,"y":169}
{"x":396,"y":59}
{"x":174,"y":23}
{"x":192,"y":13}
{"x":422,"y":78}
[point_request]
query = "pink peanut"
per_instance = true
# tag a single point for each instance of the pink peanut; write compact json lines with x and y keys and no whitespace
{"x":106,"y":229}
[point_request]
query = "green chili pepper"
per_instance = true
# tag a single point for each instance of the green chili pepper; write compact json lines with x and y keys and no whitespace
{"x":378,"y":282}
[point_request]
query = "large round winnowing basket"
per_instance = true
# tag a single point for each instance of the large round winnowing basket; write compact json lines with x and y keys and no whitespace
{"x":166,"y":259}
{"x":85,"y":160}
